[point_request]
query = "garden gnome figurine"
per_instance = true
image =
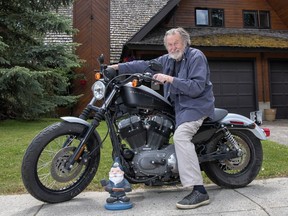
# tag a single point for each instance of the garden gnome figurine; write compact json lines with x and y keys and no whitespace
{"x":117,"y":186}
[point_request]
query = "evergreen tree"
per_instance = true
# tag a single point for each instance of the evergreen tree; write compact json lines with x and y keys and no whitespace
{"x":34,"y":75}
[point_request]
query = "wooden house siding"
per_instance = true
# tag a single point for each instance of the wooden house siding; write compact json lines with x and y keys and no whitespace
{"x":280,"y":7}
{"x":92,"y":19}
{"x":185,"y":15}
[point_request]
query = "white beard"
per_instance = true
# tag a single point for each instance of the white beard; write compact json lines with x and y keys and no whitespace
{"x":116,"y":179}
{"x":176,"y":55}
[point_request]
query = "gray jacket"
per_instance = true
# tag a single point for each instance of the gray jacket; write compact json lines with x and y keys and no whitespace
{"x":191,"y":92}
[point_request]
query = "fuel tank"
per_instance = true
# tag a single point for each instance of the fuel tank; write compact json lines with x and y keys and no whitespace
{"x":144,"y":98}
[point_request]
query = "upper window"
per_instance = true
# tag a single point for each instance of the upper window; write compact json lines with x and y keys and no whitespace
{"x":209,"y":17}
{"x":256,"y":19}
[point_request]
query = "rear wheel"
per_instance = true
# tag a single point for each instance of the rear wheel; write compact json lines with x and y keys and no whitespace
{"x":237,"y":172}
{"x":44,"y":170}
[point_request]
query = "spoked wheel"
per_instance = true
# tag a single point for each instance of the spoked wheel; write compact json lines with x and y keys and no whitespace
{"x":45,"y":173}
{"x":236,"y":172}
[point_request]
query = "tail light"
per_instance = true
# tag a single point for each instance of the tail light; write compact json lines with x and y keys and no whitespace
{"x":266,"y":131}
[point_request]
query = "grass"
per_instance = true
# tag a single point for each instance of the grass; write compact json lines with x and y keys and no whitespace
{"x":15,"y":137}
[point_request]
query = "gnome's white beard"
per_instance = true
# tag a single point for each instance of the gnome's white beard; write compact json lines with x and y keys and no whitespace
{"x":116,"y":178}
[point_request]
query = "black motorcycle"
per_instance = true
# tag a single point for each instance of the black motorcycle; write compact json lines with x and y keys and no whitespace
{"x":63,"y":159}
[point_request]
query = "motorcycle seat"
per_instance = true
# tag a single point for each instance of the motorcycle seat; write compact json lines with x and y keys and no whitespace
{"x":218,"y":115}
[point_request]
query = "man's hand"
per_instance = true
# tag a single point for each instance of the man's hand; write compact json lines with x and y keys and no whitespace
{"x":163,"y":78}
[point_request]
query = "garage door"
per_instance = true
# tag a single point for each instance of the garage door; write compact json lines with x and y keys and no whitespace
{"x":279,"y":87}
{"x":234,"y":85}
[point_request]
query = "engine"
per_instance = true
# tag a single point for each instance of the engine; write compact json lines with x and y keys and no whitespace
{"x":148,"y":134}
{"x":148,"y":139}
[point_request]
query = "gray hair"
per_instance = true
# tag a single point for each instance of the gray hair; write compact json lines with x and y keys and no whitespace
{"x":183,"y":33}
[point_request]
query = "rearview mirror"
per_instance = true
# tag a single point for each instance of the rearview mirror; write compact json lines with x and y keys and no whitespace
{"x":155,"y":65}
{"x":101,"y":59}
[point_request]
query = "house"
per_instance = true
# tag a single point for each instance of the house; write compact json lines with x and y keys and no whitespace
{"x":246,"y":43}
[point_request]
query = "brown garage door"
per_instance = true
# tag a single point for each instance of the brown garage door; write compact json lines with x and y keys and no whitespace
{"x":234,"y":85}
{"x":279,"y":87}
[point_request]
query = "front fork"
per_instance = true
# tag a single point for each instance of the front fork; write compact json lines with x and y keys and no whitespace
{"x":99,"y":116}
{"x":79,"y":150}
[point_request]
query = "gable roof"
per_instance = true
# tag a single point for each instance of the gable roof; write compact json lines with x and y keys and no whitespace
{"x":127,"y":17}
{"x":155,"y":20}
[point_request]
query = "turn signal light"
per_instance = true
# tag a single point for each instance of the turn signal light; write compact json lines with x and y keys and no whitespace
{"x":135,"y":83}
{"x":97,"y":76}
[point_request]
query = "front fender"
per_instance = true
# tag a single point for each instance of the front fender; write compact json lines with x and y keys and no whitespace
{"x":239,"y":122}
{"x":72,"y":119}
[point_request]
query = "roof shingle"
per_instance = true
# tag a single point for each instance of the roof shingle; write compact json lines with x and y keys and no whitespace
{"x":126,"y":18}
{"x":232,"y":37}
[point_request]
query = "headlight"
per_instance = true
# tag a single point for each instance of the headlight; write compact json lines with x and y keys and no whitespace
{"x":98,"y":90}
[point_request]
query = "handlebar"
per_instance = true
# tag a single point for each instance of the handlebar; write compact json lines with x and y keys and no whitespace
{"x":147,"y":77}
{"x":111,"y":76}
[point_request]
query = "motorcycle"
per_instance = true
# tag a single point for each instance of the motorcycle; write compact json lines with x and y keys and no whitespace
{"x":63,"y":158}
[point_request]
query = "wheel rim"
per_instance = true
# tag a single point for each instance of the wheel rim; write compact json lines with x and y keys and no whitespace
{"x":51,"y":169}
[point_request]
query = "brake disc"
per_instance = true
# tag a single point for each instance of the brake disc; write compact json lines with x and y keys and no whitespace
{"x":241,"y":162}
{"x":58,"y":169}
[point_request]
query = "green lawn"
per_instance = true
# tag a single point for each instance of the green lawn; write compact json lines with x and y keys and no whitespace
{"x":15,"y":136}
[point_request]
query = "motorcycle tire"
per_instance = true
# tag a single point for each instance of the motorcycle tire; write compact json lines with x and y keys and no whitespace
{"x":43,"y":168}
{"x":236,"y":172}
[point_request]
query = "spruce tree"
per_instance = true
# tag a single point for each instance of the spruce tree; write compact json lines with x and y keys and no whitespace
{"x":34,"y":75}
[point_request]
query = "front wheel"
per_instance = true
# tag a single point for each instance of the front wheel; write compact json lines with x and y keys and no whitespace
{"x":237,"y":172}
{"x":44,"y":173}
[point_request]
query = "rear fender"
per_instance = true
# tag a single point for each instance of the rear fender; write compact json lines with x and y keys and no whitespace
{"x":235,"y":121}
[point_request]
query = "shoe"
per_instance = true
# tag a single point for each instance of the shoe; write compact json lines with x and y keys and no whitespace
{"x":193,"y":200}
{"x":111,"y":199}
{"x":124,"y":199}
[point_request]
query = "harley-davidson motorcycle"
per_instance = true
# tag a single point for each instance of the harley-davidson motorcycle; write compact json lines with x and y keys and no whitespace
{"x":63,"y":159}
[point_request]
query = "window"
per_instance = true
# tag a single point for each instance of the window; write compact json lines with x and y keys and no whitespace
{"x":217,"y":17}
{"x":264,"y":18}
{"x":202,"y":17}
{"x":256,"y":19}
{"x":209,"y":17}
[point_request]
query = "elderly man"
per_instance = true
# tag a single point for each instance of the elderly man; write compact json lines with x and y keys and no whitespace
{"x":186,"y":79}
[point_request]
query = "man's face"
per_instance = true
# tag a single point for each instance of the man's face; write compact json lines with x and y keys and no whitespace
{"x":175,"y":46}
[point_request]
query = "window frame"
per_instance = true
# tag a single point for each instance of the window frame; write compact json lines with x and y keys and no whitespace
{"x":258,"y":23}
{"x":267,"y":13}
{"x":209,"y":22}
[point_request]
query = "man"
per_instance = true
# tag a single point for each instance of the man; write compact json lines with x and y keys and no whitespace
{"x":186,"y":79}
